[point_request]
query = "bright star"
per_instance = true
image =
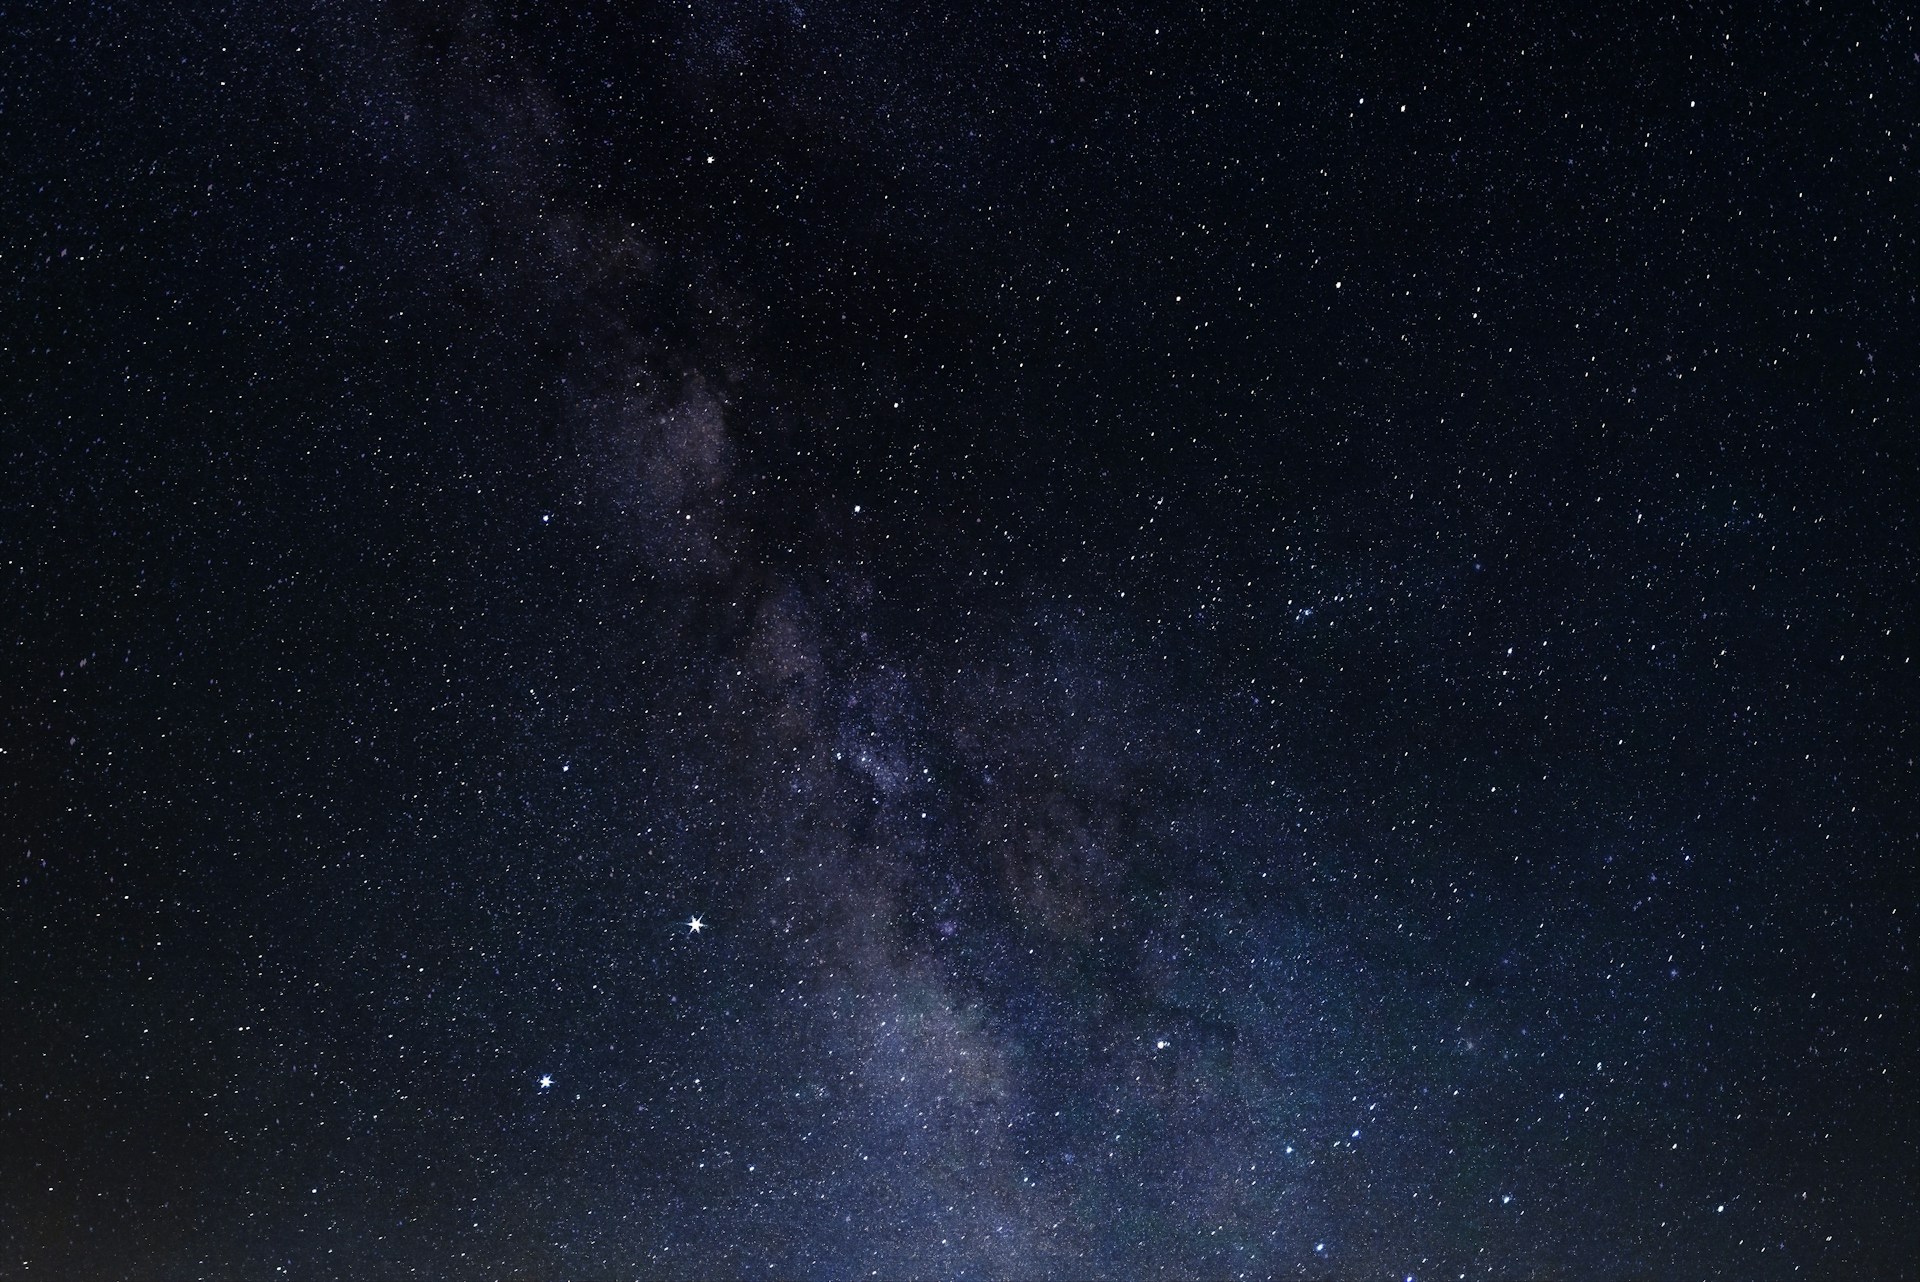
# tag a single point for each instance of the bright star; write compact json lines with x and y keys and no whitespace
{"x":545,"y":1081}
{"x":695,"y":925}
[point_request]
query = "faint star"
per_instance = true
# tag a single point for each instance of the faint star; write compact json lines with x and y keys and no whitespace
{"x":695,"y":925}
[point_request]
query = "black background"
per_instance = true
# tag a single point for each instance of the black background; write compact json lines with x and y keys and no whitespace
{"x":1269,"y":643}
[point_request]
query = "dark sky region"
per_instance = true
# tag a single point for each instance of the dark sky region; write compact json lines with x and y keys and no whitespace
{"x":1003,"y":641}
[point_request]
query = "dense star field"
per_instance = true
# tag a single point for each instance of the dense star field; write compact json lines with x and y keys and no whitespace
{"x":988,"y":642}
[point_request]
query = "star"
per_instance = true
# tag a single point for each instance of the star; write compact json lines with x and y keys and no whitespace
{"x":695,"y":925}
{"x":546,"y":1082}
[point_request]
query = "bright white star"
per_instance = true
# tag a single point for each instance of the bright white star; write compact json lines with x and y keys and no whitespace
{"x":545,"y":1081}
{"x":695,"y":925}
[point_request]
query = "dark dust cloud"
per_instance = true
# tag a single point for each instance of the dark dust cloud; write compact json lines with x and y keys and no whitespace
{"x":1000,"y":642}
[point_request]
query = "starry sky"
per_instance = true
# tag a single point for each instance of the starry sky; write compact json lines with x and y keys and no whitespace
{"x":1007,"y":641}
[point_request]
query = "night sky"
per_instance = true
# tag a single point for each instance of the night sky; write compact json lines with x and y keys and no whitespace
{"x":748,"y":640}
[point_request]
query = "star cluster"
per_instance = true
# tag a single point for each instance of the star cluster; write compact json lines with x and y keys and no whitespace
{"x":1003,"y":642}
